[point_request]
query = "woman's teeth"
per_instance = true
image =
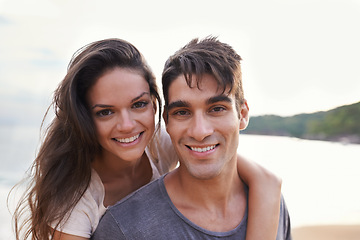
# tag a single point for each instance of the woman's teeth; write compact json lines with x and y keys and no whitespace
{"x":127,"y":140}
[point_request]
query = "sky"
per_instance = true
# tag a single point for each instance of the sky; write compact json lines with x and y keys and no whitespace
{"x":299,"y":56}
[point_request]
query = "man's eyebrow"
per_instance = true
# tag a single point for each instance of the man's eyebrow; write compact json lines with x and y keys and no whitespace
{"x":212,"y":100}
{"x":177,"y":104}
{"x":219,"y":98}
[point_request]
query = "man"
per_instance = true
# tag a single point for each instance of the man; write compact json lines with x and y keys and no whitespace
{"x":203,"y":198}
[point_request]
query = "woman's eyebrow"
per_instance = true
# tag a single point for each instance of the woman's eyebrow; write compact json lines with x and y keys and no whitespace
{"x":140,"y":96}
{"x":102,"y":106}
{"x":110,"y":106}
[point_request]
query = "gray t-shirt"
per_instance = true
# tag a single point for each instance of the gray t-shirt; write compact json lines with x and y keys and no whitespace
{"x":149,"y":214}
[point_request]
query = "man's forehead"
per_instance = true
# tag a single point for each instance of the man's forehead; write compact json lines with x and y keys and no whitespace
{"x":208,"y":91}
{"x":201,"y":82}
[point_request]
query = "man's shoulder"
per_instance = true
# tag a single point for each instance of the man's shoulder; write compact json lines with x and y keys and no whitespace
{"x":139,"y":213}
{"x":142,"y":206}
{"x":141,"y":197}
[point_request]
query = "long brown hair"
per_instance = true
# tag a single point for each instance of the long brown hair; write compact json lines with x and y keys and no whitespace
{"x":61,"y":172}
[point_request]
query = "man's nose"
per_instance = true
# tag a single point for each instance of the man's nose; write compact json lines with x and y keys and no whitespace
{"x":200,"y":127}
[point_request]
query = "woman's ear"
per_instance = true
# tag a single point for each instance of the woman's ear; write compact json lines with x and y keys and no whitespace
{"x":154,"y":101}
{"x":244,"y":115}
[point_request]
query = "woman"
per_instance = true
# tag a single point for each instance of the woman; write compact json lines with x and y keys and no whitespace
{"x":101,"y":146}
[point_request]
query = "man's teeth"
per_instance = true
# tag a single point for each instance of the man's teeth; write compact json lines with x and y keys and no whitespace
{"x":196,"y":149}
{"x":127,"y":140}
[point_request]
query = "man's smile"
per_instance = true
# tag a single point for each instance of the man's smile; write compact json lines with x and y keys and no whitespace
{"x":202,"y":149}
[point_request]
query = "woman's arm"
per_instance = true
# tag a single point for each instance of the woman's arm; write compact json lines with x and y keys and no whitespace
{"x":264,"y":200}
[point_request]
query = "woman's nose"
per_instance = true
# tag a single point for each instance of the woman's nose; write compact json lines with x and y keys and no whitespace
{"x":125,"y":121}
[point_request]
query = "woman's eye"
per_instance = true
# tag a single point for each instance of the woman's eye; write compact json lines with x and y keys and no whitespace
{"x":103,"y":113}
{"x":140,"y":104}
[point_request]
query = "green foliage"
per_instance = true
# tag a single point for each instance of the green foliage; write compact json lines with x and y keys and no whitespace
{"x":337,"y":123}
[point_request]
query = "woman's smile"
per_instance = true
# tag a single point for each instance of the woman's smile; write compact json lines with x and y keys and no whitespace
{"x":128,"y":140}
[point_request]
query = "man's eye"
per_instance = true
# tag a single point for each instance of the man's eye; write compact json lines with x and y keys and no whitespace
{"x":181,"y":113}
{"x":103,"y":113}
{"x":218,"y":109}
{"x":140,"y":104}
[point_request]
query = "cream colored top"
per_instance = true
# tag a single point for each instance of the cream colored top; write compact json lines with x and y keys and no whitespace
{"x":86,"y":214}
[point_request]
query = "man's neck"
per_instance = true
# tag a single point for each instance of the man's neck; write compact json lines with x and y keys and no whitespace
{"x":216,"y":204}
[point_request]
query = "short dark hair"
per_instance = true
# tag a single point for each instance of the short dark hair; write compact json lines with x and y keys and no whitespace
{"x":207,"y":56}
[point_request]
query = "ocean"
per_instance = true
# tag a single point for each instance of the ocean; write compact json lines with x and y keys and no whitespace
{"x":319,"y":178}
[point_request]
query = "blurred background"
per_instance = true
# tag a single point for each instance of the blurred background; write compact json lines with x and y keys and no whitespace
{"x":299,"y":56}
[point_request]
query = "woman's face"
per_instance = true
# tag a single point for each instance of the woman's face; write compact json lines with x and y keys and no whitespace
{"x":123,"y":112}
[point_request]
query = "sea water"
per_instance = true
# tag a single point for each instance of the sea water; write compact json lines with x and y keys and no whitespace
{"x":18,"y":146}
{"x":320,"y":179}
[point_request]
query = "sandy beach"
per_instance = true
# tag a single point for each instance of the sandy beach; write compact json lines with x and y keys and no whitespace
{"x":328,"y":232}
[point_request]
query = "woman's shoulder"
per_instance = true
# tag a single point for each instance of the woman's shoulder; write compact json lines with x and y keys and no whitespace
{"x":86,"y":214}
{"x":92,"y":202}
{"x":162,"y":151}
{"x":163,"y":140}
{"x":96,"y":188}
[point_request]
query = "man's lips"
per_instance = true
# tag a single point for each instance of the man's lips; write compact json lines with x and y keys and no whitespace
{"x":129,"y":139}
{"x":202,"y":149}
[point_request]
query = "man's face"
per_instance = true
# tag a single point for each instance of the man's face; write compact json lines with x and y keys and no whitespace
{"x":204,"y":127}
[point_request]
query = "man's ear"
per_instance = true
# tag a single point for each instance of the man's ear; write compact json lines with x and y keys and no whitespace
{"x":165,"y":115}
{"x":244,"y":116}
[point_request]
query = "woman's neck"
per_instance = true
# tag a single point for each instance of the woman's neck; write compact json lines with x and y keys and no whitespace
{"x":120,"y":178}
